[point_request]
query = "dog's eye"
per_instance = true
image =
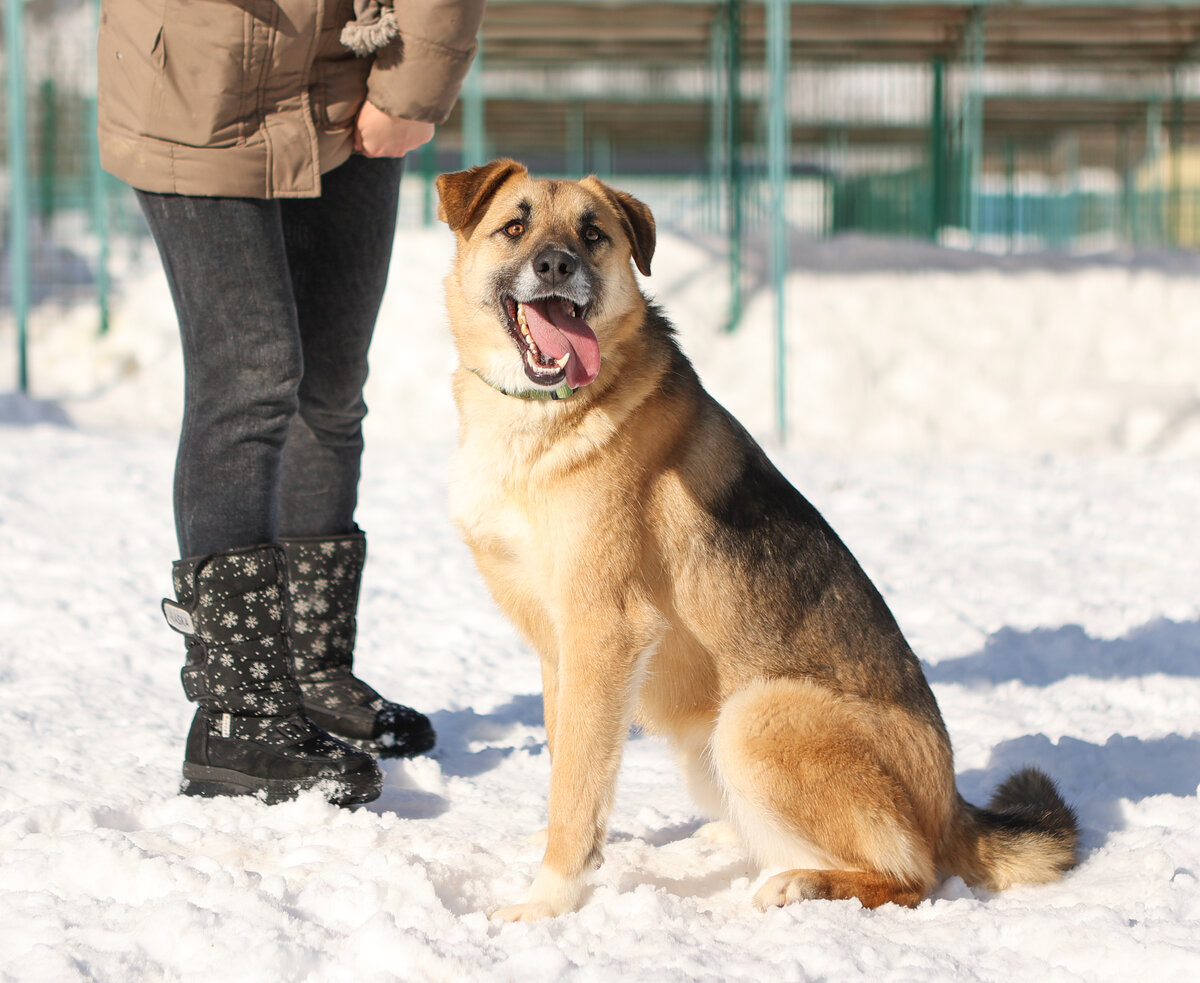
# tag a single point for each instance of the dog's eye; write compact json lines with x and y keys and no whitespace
{"x":514,"y":230}
{"x":592,"y":234}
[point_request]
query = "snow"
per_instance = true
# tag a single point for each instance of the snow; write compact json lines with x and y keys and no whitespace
{"x":1012,"y":450}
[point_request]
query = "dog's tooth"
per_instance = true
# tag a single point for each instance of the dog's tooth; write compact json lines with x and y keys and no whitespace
{"x":564,"y":360}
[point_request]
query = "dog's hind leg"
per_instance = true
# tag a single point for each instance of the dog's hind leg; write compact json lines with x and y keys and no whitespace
{"x":807,"y":787}
{"x":869,"y":889}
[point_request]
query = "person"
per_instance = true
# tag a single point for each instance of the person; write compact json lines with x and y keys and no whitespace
{"x":265,"y":141}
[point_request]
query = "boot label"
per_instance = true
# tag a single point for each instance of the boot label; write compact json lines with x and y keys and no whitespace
{"x":178,"y":617}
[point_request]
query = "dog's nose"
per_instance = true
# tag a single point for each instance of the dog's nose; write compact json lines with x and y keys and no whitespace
{"x":554,"y":266}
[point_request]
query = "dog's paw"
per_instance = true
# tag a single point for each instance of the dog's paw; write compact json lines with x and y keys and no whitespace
{"x":782,"y":889}
{"x":551,"y":895}
{"x":531,"y":911}
{"x":539,"y":838}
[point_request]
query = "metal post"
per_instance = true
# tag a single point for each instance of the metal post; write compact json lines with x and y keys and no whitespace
{"x":1124,"y":222}
{"x":937,"y":150}
{"x":1010,"y":194}
{"x":1176,"y":158}
{"x":99,"y":205}
{"x":733,"y":117}
{"x":474,"y":150}
{"x":779,"y":38}
{"x":47,"y":152}
{"x":19,"y":190}
{"x":575,"y":149}
{"x":718,"y":62}
{"x":602,"y":156}
{"x":428,"y":176}
{"x":972,"y":127}
{"x":1152,"y":229}
{"x":1072,"y":220}
{"x":99,"y":196}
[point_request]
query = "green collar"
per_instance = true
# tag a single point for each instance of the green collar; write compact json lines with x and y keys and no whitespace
{"x":562,"y":392}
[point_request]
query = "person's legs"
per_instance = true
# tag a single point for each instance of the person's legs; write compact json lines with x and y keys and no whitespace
{"x":227,"y":266}
{"x":338,"y":248}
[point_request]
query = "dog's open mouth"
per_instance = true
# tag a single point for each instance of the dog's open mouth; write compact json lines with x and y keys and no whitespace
{"x":555,"y":341}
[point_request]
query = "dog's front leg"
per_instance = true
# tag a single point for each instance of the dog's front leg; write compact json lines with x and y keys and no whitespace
{"x":597,"y":683}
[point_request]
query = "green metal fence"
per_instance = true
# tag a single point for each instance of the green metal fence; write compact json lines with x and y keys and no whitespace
{"x":1013,"y":217}
{"x":954,"y":151}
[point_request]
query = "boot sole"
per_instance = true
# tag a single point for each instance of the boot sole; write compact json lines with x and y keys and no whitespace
{"x":208,"y":782}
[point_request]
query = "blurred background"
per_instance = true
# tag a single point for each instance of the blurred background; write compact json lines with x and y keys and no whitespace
{"x":755,"y":127}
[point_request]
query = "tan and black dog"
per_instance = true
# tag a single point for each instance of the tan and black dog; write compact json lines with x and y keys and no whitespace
{"x":668,"y":574}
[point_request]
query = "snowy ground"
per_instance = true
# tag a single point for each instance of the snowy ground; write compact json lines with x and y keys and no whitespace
{"x":1012,"y":451}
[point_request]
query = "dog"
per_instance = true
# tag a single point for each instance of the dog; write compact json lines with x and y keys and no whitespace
{"x":668,"y":575}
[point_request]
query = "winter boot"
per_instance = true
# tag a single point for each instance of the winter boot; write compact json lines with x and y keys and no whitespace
{"x":250,"y":735}
{"x":323,"y":581}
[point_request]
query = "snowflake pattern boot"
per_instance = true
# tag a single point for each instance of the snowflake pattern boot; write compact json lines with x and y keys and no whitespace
{"x":250,"y":735}
{"x":323,"y":582}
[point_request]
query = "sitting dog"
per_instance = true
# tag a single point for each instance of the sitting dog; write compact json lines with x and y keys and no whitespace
{"x":667,"y":574}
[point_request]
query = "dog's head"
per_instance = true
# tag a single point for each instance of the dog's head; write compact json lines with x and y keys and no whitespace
{"x":542,"y":285}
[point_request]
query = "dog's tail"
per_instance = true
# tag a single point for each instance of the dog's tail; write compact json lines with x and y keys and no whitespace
{"x":1026,"y":835}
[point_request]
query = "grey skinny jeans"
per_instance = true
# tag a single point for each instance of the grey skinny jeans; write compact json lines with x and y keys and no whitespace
{"x":276,"y":302}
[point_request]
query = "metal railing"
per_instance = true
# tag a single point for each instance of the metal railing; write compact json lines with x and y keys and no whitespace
{"x":914,"y":150}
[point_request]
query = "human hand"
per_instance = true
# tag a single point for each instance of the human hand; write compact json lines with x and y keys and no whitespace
{"x":376,"y":134}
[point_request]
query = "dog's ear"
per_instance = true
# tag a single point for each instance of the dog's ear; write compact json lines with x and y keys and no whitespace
{"x":463,"y":195}
{"x":636,"y":220}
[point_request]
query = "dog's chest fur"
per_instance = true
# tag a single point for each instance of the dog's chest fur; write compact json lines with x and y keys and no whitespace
{"x":504,"y":496}
{"x":481,"y":502}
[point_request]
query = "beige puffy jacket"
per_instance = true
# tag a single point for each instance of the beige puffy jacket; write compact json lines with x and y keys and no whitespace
{"x":257,"y":98}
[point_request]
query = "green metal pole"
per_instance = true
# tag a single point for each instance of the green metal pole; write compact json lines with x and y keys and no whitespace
{"x":47,"y":149}
{"x":99,"y":203}
{"x":973,"y":123}
{"x":19,"y":190}
{"x":1152,"y":229}
{"x":576,"y":152}
{"x":779,"y":34}
{"x":428,"y":167}
{"x":602,"y":156}
{"x":99,"y":196}
{"x":733,"y":15}
{"x":937,"y":150}
{"x":1123,"y":221}
{"x":1010,"y":194}
{"x":1071,"y":223}
{"x":1176,"y":199}
{"x":474,"y":150}
{"x":718,"y":61}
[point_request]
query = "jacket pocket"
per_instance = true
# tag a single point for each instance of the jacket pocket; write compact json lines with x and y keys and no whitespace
{"x":129,"y":60}
{"x":205,"y":55}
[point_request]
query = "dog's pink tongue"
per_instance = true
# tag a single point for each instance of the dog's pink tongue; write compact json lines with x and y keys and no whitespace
{"x":557,"y":331}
